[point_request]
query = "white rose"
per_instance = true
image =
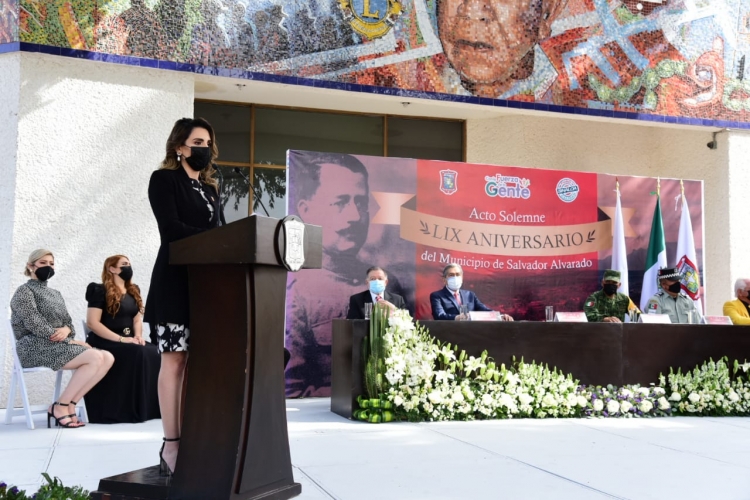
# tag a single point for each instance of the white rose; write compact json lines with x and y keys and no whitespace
{"x":733,"y":397}
{"x":626,"y":393}
{"x":645,"y":406}
{"x":458,"y":397}
{"x":659,"y":391}
{"x":694,"y":398}
{"x":435,"y":397}
{"x":548,"y":400}
{"x":398,"y":400}
{"x":663,"y":403}
{"x":644,"y":390}
{"x":675,"y":396}
{"x":487,"y":399}
{"x":613,"y":406}
{"x":598,"y":405}
{"x":525,"y":399}
{"x":582,"y":401}
{"x":625,"y":406}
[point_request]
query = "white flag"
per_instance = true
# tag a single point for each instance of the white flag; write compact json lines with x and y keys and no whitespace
{"x":619,"y":253}
{"x":685,"y":260}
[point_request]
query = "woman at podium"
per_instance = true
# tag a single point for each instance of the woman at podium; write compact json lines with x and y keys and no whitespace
{"x":128,"y":393}
{"x":184,"y":197}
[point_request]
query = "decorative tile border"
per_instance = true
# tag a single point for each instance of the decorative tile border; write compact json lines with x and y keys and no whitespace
{"x":351,"y":87}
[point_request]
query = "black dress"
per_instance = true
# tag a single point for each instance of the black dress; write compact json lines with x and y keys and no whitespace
{"x":182,"y":207}
{"x":128,"y":392}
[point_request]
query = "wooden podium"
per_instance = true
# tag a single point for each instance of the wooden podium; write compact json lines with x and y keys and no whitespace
{"x":234,"y":442}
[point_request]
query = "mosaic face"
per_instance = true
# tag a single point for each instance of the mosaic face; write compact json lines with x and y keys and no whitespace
{"x":489,"y":42}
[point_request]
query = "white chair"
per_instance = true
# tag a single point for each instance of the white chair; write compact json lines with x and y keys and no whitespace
{"x":17,"y":380}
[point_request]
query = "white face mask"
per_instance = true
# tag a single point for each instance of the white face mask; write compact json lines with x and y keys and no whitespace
{"x":455,"y":282}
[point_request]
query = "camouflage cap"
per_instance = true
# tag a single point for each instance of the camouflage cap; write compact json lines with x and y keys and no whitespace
{"x":612,"y":275}
{"x":670,"y":273}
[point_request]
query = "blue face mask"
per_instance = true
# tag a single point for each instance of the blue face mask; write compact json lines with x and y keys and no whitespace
{"x":377,"y":286}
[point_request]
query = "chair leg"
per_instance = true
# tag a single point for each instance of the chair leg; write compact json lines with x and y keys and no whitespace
{"x":9,"y":409}
{"x":58,"y":386}
{"x":83,"y":415}
{"x":26,"y":405}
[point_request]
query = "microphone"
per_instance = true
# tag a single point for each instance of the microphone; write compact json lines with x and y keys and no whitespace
{"x":238,"y":170}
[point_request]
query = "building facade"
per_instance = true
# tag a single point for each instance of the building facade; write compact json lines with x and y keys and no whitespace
{"x":90,"y":90}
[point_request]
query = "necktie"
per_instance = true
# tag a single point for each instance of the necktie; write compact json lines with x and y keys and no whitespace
{"x":458,"y":298}
{"x":378,"y":298}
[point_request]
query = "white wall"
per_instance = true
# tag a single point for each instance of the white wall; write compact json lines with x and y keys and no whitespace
{"x":635,"y":149}
{"x":10,"y":85}
{"x":737,"y":203}
{"x":89,"y":136}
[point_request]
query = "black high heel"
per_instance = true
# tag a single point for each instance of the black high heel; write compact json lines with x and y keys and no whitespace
{"x":50,"y":414}
{"x":76,"y":421}
{"x":164,"y":469}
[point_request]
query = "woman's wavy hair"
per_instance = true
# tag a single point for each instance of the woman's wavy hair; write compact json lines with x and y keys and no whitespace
{"x":112,"y":292}
{"x":180,"y":133}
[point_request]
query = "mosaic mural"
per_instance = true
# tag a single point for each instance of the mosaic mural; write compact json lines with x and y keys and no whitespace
{"x":8,"y":21}
{"x":683,"y":58}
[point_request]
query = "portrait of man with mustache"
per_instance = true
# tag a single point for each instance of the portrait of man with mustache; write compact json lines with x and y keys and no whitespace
{"x":329,"y":190}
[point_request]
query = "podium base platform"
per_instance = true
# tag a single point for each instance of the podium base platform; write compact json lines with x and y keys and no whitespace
{"x":147,"y":484}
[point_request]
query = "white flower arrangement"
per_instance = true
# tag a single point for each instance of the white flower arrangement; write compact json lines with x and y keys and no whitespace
{"x":412,"y":376}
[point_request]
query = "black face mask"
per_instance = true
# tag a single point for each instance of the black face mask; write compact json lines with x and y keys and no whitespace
{"x":610,"y":289}
{"x":200,"y":158}
{"x":44,"y":273}
{"x":675,"y":287}
{"x":126,"y":273}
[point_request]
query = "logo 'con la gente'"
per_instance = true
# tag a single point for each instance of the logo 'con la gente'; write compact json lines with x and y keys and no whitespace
{"x":507,"y":186}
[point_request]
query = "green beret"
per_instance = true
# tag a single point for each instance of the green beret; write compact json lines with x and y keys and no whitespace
{"x":612,"y":275}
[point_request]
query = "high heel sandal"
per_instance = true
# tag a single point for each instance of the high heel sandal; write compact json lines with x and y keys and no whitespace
{"x":75,"y":416}
{"x":164,"y":469}
{"x":51,"y":414}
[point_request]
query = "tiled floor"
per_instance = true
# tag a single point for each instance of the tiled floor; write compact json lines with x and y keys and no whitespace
{"x":685,"y":458}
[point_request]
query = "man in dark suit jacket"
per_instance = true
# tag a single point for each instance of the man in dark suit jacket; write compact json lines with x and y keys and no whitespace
{"x":377,"y":279}
{"x":446,"y":301}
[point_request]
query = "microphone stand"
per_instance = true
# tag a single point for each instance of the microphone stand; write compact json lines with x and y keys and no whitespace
{"x":222,"y":220}
{"x":239,"y":171}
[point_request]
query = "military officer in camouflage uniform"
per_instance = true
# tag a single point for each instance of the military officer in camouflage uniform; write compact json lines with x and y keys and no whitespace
{"x":670,"y":300}
{"x":607,"y":304}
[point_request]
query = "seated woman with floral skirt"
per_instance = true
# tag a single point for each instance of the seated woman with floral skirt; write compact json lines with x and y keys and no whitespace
{"x":128,"y":393}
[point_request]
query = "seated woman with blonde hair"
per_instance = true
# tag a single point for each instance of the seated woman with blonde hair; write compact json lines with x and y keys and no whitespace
{"x":45,"y":336}
{"x":128,"y":393}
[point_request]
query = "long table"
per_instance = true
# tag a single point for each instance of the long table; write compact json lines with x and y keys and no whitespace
{"x":594,"y":353}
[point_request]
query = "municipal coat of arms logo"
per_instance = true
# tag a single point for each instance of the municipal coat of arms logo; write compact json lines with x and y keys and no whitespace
{"x":448,"y":181}
{"x":293,"y":256}
{"x":690,"y":278}
{"x":371,"y":18}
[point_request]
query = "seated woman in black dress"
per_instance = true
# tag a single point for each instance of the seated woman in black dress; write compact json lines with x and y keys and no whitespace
{"x":128,"y":393}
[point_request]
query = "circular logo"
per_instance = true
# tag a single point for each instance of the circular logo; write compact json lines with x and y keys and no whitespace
{"x":567,"y":190}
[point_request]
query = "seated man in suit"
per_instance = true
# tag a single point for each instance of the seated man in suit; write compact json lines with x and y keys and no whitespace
{"x":377,"y":279}
{"x":739,"y":310}
{"x":446,"y":302}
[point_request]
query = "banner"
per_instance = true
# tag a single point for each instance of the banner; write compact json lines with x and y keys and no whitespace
{"x":526,"y":238}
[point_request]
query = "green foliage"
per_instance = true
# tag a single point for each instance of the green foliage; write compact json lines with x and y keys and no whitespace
{"x":53,"y":490}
